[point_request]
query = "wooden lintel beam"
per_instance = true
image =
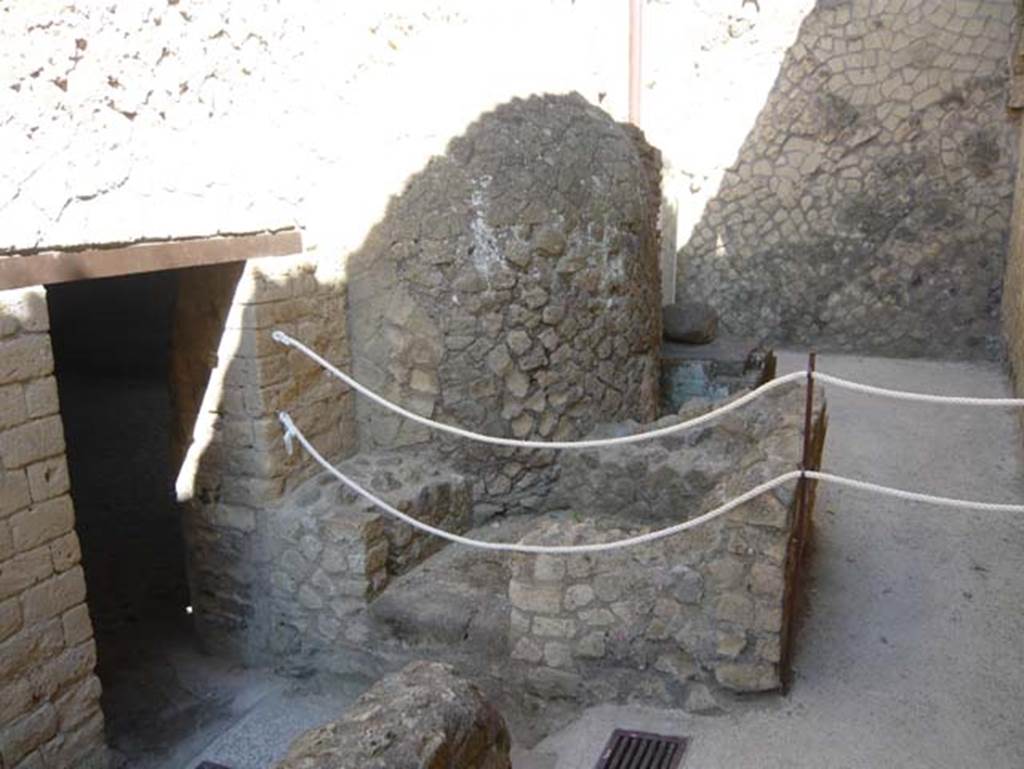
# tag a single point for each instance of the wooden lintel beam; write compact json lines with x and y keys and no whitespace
{"x":57,"y":266}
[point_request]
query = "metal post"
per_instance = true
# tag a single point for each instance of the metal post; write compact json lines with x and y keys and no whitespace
{"x":808,"y":413}
{"x":635,"y":26}
{"x":798,"y":539}
{"x":803,"y":524}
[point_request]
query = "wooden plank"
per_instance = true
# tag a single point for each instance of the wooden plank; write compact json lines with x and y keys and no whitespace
{"x":62,"y":266}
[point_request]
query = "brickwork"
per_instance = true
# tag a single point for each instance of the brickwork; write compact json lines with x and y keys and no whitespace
{"x":49,"y":696}
{"x":230,"y":380}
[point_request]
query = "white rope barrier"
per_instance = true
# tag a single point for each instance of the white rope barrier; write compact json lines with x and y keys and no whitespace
{"x":293,"y":432}
{"x":594,"y":443}
{"x":494,"y":440}
{"x":905,"y":395}
{"x":914,"y":496}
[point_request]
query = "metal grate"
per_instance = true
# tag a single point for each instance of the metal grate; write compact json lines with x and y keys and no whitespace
{"x":642,"y":750}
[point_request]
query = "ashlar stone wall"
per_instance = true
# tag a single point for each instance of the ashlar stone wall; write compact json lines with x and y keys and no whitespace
{"x":869,"y":207}
{"x":230,"y":381}
{"x":49,"y":696}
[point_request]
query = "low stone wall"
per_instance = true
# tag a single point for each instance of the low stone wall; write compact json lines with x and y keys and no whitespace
{"x":706,"y":605}
{"x":49,"y":697}
{"x":331,"y":551}
{"x":422,"y":716}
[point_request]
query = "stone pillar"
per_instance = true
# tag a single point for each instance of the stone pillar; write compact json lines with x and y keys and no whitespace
{"x":49,"y":695}
{"x":230,"y":380}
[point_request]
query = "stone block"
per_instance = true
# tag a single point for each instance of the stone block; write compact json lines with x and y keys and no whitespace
{"x":27,"y":649}
{"x":77,"y":625}
{"x":52,"y":597}
{"x":25,"y":357}
{"x":748,"y":676}
{"x":10,"y":619}
{"x":558,"y":654}
{"x":6,"y":541}
{"x":535,"y":598}
{"x":65,"y":552}
{"x":12,"y":406}
{"x":60,"y":673}
{"x":82,"y":748}
{"x":41,"y":397}
{"x":14,"y":491}
{"x":578,"y":596}
{"x":79,"y":703}
{"x":736,"y":608}
{"x":527,"y":649}
{"x":43,"y":522}
{"x":16,"y":700}
{"x":465,"y":730}
{"x":31,"y":442}
{"x":592,"y":645}
{"x":24,"y":570}
{"x":554,"y":627}
{"x":28,"y":733}
{"x":49,"y":478}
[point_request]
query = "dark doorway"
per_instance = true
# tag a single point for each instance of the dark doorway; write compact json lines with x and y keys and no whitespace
{"x":111,"y":343}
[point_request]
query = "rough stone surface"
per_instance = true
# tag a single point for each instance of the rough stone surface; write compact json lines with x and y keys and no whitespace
{"x":49,"y":697}
{"x":332,"y":552}
{"x":689,"y":322}
{"x":869,"y":206}
{"x":513,"y":289}
{"x":705,"y":606}
{"x":229,"y":380}
{"x":423,"y":717}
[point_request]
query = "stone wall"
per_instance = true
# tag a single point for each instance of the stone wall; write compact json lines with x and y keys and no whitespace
{"x":869,"y":207}
{"x":757,"y":149}
{"x":49,"y":697}
{"x":513,"y":288}
{"x":662,"y":620}
{"x":230,"y":381}
{"x":332,"y":552}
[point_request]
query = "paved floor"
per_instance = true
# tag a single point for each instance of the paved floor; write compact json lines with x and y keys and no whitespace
{"x":912,"y":652}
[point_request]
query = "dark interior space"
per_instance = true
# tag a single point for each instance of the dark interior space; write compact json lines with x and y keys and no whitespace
{"x":111,"y":342}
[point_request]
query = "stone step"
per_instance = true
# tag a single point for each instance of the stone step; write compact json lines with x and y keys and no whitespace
{"x":458,"y":596}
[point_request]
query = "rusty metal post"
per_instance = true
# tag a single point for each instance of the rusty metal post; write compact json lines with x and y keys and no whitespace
{"x":808,"y":418}
{"x":805,"y":460}
{"x":635,"y":36}
{"x":798,"y":538}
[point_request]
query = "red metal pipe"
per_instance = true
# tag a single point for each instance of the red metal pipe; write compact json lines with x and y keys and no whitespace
{"x":635,"y":36}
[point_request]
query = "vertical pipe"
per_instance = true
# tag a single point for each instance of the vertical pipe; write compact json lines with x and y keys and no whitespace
{"x":635,"y":29}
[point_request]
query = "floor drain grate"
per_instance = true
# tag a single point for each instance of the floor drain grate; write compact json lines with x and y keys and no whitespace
{"x":641,"y":750}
